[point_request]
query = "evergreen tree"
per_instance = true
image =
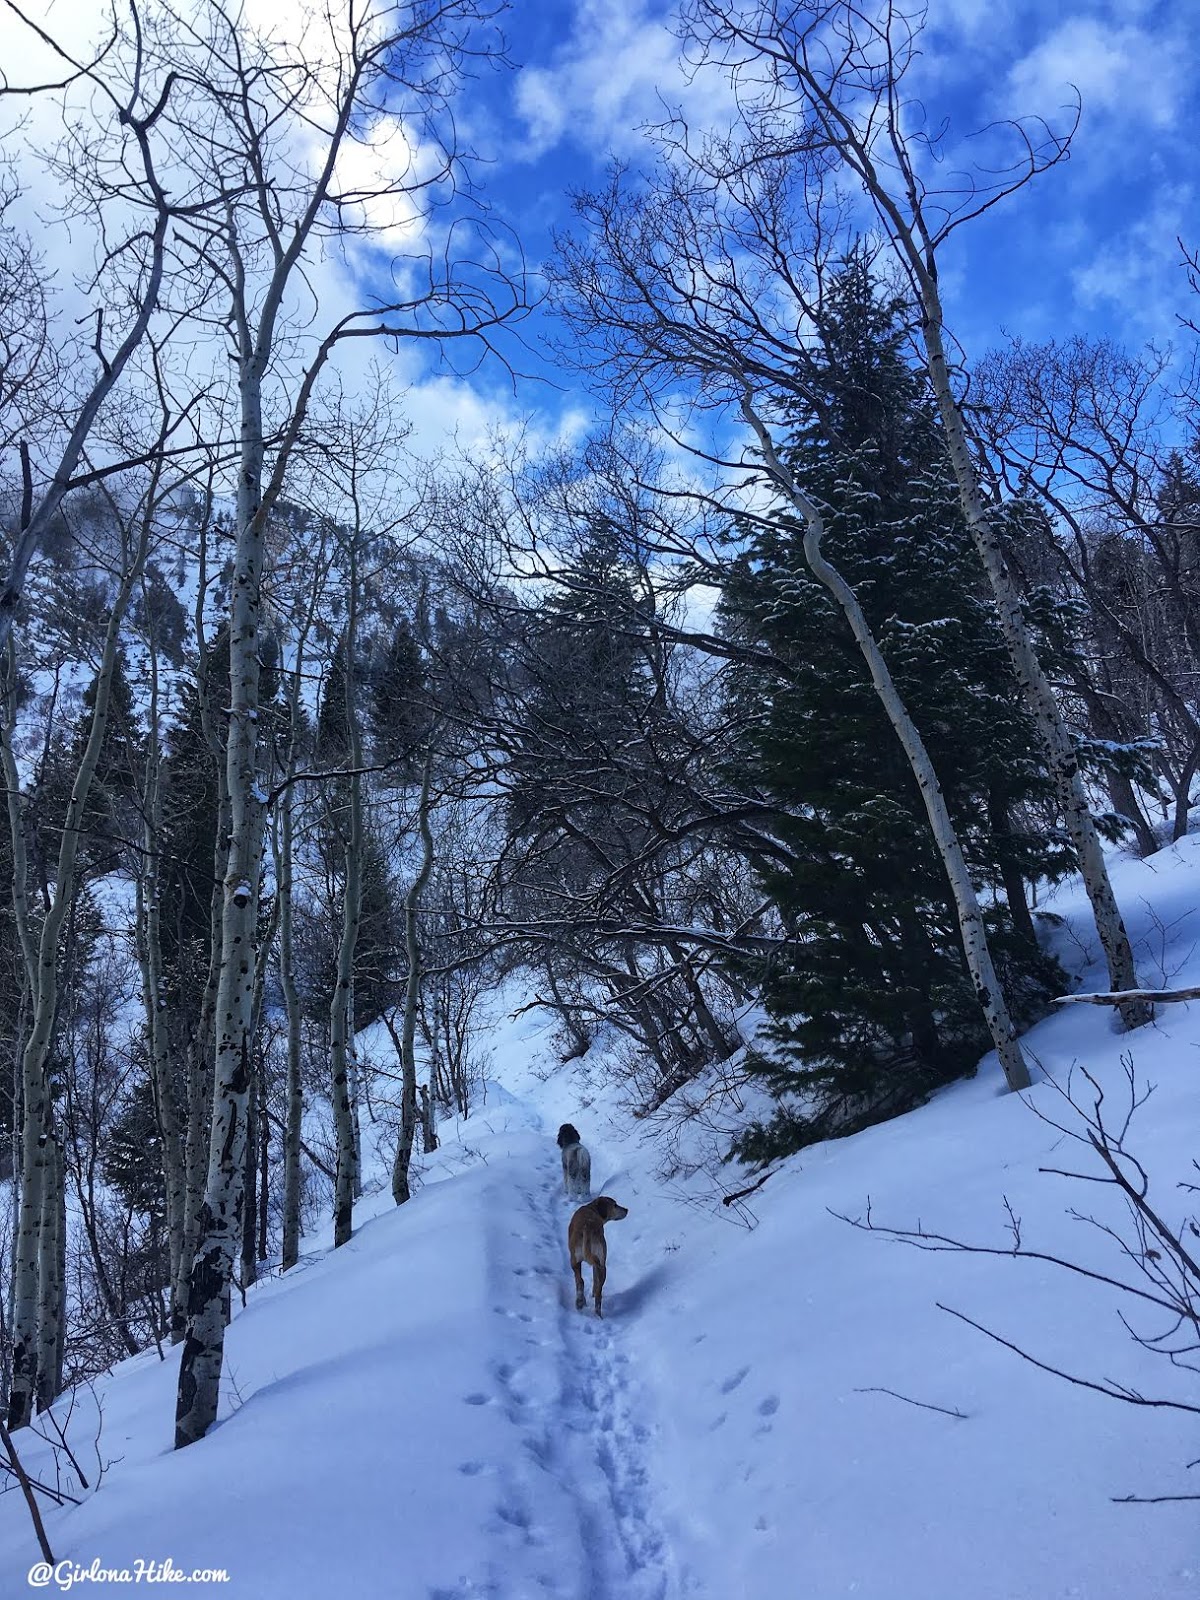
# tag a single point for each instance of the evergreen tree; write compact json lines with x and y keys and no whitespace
{"x":586,"y":695}
{"x":191,"y":803}
{"x":111,"y":816}
{"x":377,"y":956}
{"x":132,"y":1160}
{"x":377,"y":947}
{"x":601,"y":796}
{"x":871,"y":1002}
{"x":378,"y":953}
{"x":397,"y":701}
{"x":332,"y":738}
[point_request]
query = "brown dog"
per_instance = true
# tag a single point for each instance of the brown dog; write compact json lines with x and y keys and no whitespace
{"x":585,"y":1241}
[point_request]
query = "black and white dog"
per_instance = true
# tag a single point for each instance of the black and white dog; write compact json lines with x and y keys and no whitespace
{"x":577,"y":1164}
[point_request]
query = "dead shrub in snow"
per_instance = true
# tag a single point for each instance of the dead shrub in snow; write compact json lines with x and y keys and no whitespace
{"x":1151,"y":1261}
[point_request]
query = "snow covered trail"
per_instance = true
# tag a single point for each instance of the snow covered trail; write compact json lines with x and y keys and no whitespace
{"x":420,"y":1415}
{"x":423,"y":1414}
{"x":571,"y":1392}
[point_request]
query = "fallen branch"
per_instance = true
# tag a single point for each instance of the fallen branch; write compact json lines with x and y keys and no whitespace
{"x":59,"y":1496}
{"x":22,"y":1478}
{"x":947,"y":1411}
{"x":740,"y":1194}
{"x":1148,"y":1499}
{"x":1118,"y":997}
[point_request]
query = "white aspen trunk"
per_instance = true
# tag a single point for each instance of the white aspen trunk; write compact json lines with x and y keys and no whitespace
{"x":249,"y":1264}
{"x":354,"y":1108}
{"x":970,"y":920}
{"x":353,"y":1078}
{"x":219,"y":1226}
{"x":39,"y":1189}
{"x":59,"y":1305}
{"x":293,"y":1120}
{"x":1039,"y":696}
{"x":412,"y":997}
{"x":200,"y":1063}
{"x":199,"y":1096}
{"x":264,"y":1170}
{"x":254,"y":1103}
{"x":19,"y":889}
{"x":282,"y":835}
{"x":16,"y":1157}
{"x":52,"y":1244}
{"x":16,"y":823}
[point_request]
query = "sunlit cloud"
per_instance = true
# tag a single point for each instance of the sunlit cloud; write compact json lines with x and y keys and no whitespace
{"x":618,"y":71}
{"x":1126,"y":73}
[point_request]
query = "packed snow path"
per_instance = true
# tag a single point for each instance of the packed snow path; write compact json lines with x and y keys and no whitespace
{"x":571,"y":1394}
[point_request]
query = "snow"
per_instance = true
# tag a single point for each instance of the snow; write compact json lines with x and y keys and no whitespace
{"x":424,"y":1414}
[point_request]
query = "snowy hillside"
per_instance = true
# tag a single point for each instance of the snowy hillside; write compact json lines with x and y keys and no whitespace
{"x":431,"y":1418}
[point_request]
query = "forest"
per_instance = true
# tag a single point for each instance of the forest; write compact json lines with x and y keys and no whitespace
{"x":745,"y":726}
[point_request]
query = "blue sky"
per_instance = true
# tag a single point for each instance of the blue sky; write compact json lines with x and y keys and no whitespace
{"x":1091,"y":248}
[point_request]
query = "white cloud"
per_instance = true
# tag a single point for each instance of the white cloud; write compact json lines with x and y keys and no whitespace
{"x":1123,"y":72}
{"x":1137,"y":269}
{"x":973,"y":20}
{"x":619,"y":70}
{"x":379,"y":172}
{"x":337,"y":276}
